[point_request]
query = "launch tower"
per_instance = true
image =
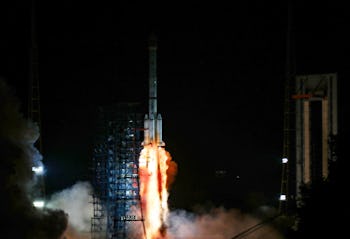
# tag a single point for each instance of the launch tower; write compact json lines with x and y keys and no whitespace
{"x":34,"y":114}
{"x":314,"y":104}
{"x":316,"y":127}
{"x":115,"y":171}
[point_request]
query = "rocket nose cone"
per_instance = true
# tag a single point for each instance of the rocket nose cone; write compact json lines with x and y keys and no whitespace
{"x":159,"y":117}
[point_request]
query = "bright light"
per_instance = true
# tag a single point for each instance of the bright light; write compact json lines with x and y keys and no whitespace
{"x":39,"y":204}
{"x":153,"y":168}
{"x":38,"y":170}
{"x":283,"y":197}
{"x":284,"y":160}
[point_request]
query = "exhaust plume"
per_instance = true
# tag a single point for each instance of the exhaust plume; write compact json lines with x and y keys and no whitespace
{"x":217,"y":223}
{"x":76,"y":202}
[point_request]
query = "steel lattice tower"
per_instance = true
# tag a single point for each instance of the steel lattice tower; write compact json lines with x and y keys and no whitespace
{"x":115,"y":171}
{"x":285,"y":199}
{"x":34,"y":112}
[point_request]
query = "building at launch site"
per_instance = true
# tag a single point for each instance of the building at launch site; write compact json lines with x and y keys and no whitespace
{"x":312,"y":135}
{"x":310,"y":127}
{"x":316,"y":124}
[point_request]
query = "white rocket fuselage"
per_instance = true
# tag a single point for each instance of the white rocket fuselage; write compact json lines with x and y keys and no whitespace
{"x":153,"y":120}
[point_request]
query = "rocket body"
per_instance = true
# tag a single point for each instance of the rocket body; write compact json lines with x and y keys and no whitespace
{"x":153,"y":120}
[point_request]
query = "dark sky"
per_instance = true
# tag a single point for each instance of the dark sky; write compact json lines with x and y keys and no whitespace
{"x":221,"y":72}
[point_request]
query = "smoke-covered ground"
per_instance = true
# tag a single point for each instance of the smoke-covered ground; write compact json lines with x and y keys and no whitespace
{"x":204,"y":223}
{"x":214,"y":223}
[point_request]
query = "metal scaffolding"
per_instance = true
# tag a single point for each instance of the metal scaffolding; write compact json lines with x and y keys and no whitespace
{"x":115,"y":171}
{"x":285,"y":197}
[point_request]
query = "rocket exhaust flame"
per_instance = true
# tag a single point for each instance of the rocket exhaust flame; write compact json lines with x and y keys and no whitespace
{"x":153,"y":167}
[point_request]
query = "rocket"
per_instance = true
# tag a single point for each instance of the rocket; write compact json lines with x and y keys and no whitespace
{"x":153,"y":120}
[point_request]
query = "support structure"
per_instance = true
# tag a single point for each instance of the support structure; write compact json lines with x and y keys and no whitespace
{"x":34,"y":112}
{"x":316,"y":126}
{"x":285,"y":201}
{"x":115,"y":171}
{"x":309,"y":140}
{"x":314,"y":105}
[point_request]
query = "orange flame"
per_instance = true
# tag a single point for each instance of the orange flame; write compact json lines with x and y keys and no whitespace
{"x":154,"y":166}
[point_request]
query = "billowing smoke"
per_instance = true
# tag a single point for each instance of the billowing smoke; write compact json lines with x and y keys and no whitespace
{"x":20,"y":219}
{"x":214,"y":223}
{"x":217,"y":223}
{"x":76,"y":202}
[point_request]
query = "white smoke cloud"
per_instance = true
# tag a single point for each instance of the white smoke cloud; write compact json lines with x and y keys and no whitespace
{"x":218,"y":223}
{"x":76,"y":202}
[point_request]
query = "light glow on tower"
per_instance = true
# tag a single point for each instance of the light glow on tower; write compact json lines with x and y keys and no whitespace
{"x":38,"y":170}
{"x":39,"y":203}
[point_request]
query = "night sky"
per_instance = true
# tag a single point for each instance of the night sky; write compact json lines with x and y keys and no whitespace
{"x":221,"y":72}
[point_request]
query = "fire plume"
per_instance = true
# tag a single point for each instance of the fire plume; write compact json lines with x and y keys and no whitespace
{"x":156,"y":174}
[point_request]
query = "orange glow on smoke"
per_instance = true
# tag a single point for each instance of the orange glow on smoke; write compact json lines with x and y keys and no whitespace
{"x":157,"y":171}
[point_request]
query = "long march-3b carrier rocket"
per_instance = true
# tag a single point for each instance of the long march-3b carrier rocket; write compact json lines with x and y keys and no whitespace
{"x":153,"y":120}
